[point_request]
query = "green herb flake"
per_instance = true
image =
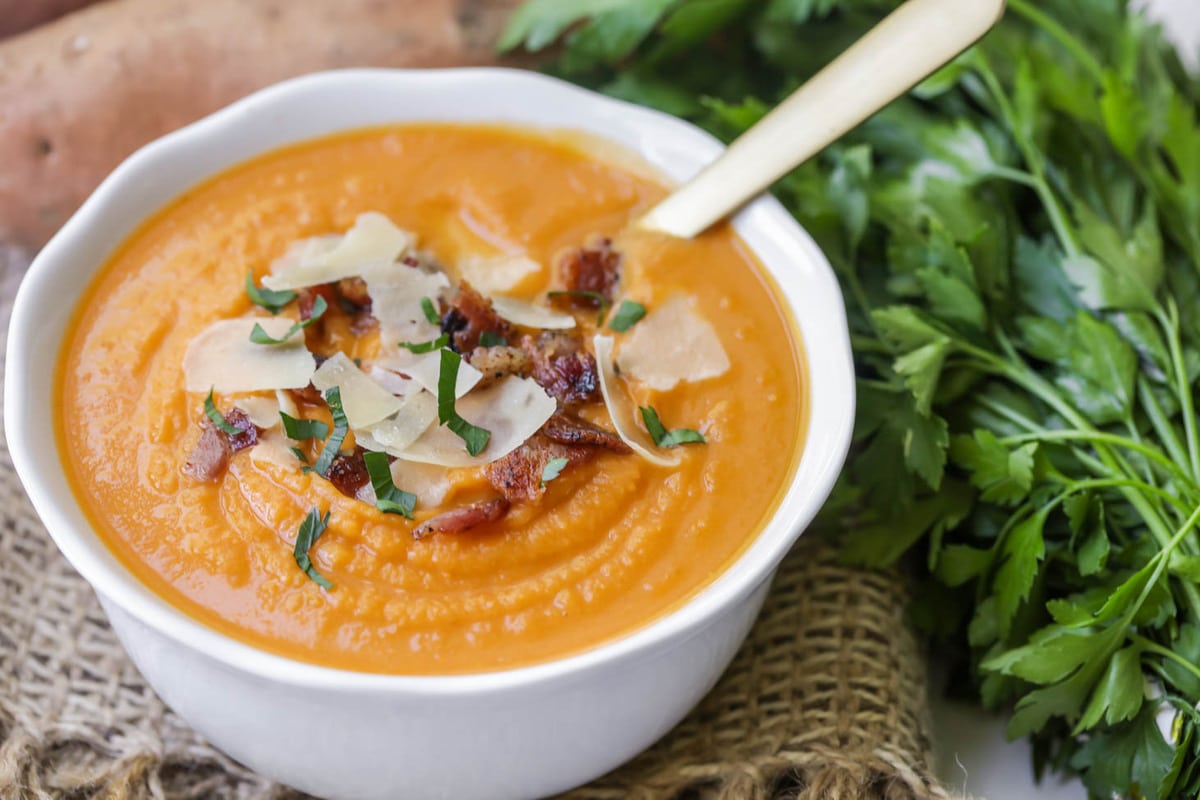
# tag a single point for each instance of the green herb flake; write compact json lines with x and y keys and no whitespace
{"x":271,"y":300}
{"x":430,"y":312}
{"x":303,"y":428}
{"x":490,"y":339}
{"x":217,"y":418}
{"x":430,"y":346}
{"x":628,"y":315}
{"x":665,"y":438}
{"x":476,"y":438}
{"x":260,"y":336}
{"x":310,"y":530}
{"x":388,"y":498}
{"x":333,"y":397}
{"x":553,"y":469}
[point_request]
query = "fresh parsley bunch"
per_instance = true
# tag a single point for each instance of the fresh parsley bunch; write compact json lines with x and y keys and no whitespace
{"x":1019,"y":245}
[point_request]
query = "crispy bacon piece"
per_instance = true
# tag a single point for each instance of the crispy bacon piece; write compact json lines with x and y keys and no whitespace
{"x":497,"y":362}
{"x":562,"y":367}
{"x":210,"y":456}
{"x":354,"y":292}
{"x":518,"y":476}
{"x":571,"y":430}
{"x":470,"y":316}
{"x":595,"y":267}
{"x":348,"y":472}
{"x":464,"y":519}
{"x":306,"y":297}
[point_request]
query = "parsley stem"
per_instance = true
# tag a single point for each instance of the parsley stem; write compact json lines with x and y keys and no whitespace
{"x":1162,"y":424}
{"x":1059,"y":33}
{"x":1166,"y":652}
{"x":1102,"y":437}
{"x":1074,"y":487}
{"x":1170,"y":323}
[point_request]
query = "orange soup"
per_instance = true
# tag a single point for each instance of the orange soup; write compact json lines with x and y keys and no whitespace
{"x":415,"y":555}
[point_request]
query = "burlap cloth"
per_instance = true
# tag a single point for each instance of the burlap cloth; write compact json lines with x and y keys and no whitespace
{"x":827,"y":699}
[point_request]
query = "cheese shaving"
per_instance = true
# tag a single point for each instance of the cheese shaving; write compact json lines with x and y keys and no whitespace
{"x":672,"y":344}
{"x":222,"y":357}
{"x":531,"y":315}
{"x":396,"y":291}
{"x":622,"y":408}
{"x":512,"y":408}
{"x":429,"y":482}
{"x":396,"y":433}
{"x":263,"y":412}
{"x":275,"y":449}
{"x":501,"y":273}
{"x":396,"y":384}
{"x":325,"y":259}
{"x":425,"y":368}
{"x":364,"y":401}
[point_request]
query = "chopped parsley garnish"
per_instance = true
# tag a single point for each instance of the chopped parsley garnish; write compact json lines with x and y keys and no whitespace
{"x":269,"y":299}
{"x":303,"y":428}
{"x":627,"y":316}
{"x":598,"y":299}
{"x":430,"y":312}
{"x":489,"y":339}
{"x":259,"y":336}
{"x":218,"y":419}
{"x":553,"y":469}
{"x":310,"y":530}
{"x":333,"y":397}
{"x":388,"y":498}
{"x":663,"y":437}
{"x":476,"y":438}
{"x":427,"y":347}
{"x":299,"y":454}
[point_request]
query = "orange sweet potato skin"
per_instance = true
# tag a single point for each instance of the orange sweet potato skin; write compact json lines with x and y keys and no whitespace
{"x":81,"y":93}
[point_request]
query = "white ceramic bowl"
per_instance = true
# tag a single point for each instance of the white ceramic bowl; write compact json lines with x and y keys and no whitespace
{"x":521,"y":733}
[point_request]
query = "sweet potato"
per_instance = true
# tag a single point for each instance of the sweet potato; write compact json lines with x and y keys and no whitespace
{"x":79,"y":94}
{"x":21,"y":15}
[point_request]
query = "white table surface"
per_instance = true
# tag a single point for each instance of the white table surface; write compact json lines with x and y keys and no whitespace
{"x":974,"y":757}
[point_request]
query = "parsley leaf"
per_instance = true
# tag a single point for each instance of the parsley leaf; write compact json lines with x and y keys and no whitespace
{"x":627,"y":316}
{"x":553,"y":469}
{"x":430,"y":346}
{"x":473,"y":436}
{"x":664,"y":438}
{"x":303,"y":428}
{"x":260,"y":336}
{"x":310,"y":530}
{"x":431,"y":314}
{"x":217,"y":418}
{"x":333,"y":397}
{"x":388,"y":498}
{"x":271,"y":300}
{"x":490,"y":339}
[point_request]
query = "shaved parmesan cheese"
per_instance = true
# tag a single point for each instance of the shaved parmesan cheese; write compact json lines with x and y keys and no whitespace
{"x":424,"y":368}
{"x":429,"y":482}
{"x":263,"y":412}
{"x":395,"y":434}
{"x":364,"y":401}
{"x":325,"y":259}
{"x":672,"y":344}
{"x":622,"y":408}
{"x":501,"y":273}
{"x":286,"y":404}
{"x":275,"y":449}
{"x":222,"y":357}
{"x":512,"y":408}
{"x":396,"y":384}
{"x":530,"y":315}
{"x":396,"y":291}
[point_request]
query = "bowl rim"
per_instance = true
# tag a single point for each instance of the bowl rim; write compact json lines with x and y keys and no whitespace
{"x":117,"y":584}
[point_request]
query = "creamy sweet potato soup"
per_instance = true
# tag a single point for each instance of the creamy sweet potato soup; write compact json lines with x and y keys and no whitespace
{"x":418,"y":400}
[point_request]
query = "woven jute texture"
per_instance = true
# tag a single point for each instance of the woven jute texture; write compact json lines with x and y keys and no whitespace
{"x":825,"y":701}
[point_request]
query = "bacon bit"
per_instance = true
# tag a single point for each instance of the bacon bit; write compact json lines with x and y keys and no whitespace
{"x":470,"y":316}
{"x":569,"y":429}
{"x":354,"y":292}
{"x":465,"y":518}
{"x":210,"y":456}
{"x":497,"y":362}
{"x":348,"y":472}
{"x":518,"y":476}
{"x":595,"y":267}
{"x":309,"y":394}
{"x":562,"y":367}
{"x":306,"y":298}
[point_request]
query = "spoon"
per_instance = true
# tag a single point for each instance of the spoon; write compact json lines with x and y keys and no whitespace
{"x":896,"y":55}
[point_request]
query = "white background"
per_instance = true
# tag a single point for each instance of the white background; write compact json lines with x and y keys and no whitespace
{"x":973,"y":756}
